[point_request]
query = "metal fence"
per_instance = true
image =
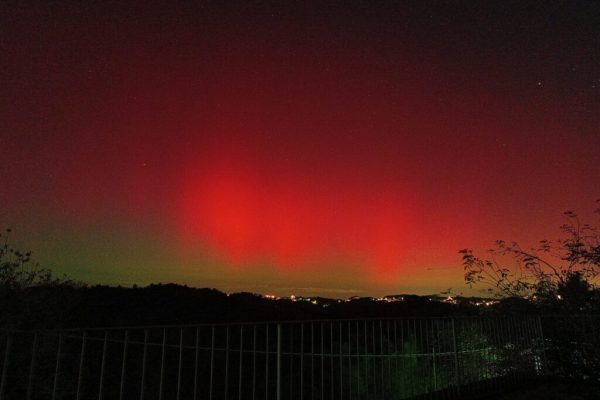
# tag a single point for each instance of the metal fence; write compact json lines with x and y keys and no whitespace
{"x":316,"y":360}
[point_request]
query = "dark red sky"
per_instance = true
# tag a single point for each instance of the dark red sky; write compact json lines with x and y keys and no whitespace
{"x":341,"y":148}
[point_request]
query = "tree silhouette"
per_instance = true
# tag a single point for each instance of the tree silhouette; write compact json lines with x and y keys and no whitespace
{"x":16,"y":269}
{"x":565,"y":269}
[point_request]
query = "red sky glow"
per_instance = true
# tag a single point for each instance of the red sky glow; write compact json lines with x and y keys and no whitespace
{"x":293,"y":148}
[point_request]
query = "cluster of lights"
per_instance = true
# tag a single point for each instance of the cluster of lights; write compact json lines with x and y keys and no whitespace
{"x":308,"y":299}
{"x":486,"y":303}
{"x":450,"y":300}
{"x":292,"y":298}
{"x":389,"y":299}
{"x":534,"y":297}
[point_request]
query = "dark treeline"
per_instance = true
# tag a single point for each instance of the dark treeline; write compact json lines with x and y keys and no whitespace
{"x":67,"y":305}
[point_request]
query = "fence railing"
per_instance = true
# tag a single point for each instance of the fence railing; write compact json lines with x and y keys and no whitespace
{"x":316,"y":360}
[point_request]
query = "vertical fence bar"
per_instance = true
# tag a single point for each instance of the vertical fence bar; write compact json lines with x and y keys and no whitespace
{"x":505,"y":334}
{"x":488,"y":352}
{"x":381,"y":358}
{"x":367,"y":364}
{"x":196,"y":357}
{"x":433,"y":342}
{"x":411,"y":334}
{"x":485,"y":355}
{"x":535,"y":339}
{"x":312,"y":360}
{"x":541,"y":334}
{"x":162,"y":364}
{"x":498,"y":333}
{"x":179,"y":366}
{"x":443,"y":340}
{"x":389,"y":357}
{"x":32,"y":366}
{"x":510,"y":332}
{"x":226,"y":362}
{"x":500,"y":346}
{"x":103,"y":366}
{"x":124,"y":365}
{"x":341,"y":364}
{"x":302,"y":361}
{"x":144,"y":357}
{"x":424,"y":353}
{"x":456,"y":365}
{"x":522,"y":344}
{"x":278,"y":362}
{"x":517,"y":355}
{"x":81,"y":360}
{"x":241,"y":361}
{"x":291,"y":383}
{"x":411,"y":337}
{"x":57,"y":366}
{"x":469,"y":355}
{"x":496,"y":370}
{"x":267,"y":362}
{"x":420,"y":345}
{"x":357,"y":362}
{"x":5,"y":364}
{"x":397,"y":358}
{"x":476,"y":377}
{"x":531,"y":342}
{"x":322,"y":364}
{"x":493,"y":353}
{"x":518,"y":336}
{"x":374,"y":359}
{"x":526,"y":345}
{"x":331,"y":358}
{"x":349,"y":361}
{"x":212,"y":363}
{"x":424,"y":333}
{"x":499,"y":325}
{"x":253,"y":362}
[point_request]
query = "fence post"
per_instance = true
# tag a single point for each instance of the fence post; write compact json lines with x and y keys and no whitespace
{"x":57,"y":366}
{"x":124,"y":365}
{"x":32,"y":367}
{"x":544,"y":359}
{"x":103,"y":365}
{"x":433,"y":357}
{"x":5,"y":364}
{"x":278,"y":361}
{"x":81,"y":360}
{"x":456,"y":365}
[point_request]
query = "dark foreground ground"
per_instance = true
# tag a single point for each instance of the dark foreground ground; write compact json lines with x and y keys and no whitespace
{"x":554,"y":391}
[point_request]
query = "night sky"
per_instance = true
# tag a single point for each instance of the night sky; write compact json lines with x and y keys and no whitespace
{"x":333,"y":148}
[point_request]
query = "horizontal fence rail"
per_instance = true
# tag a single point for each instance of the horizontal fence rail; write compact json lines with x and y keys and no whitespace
{"x":317,"y":360}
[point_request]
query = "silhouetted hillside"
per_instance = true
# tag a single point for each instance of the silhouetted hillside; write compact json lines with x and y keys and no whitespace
{"x":72,"y":306}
